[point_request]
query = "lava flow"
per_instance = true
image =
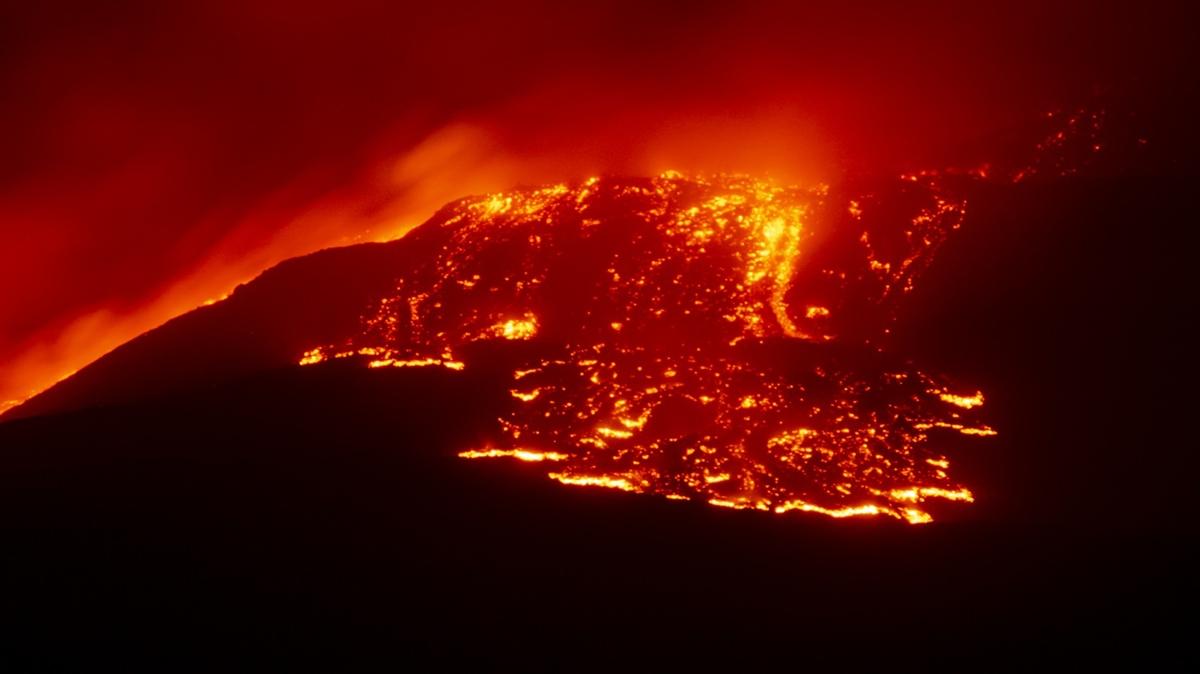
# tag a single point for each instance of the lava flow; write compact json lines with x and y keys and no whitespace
{"x":717,"y":339}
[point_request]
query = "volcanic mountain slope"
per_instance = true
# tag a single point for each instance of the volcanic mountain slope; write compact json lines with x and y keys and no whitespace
{"x":718,"y":339}
{"x":303,"y":508}
{"x":322,"y":298}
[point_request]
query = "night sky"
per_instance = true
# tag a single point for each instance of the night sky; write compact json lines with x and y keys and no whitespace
{"x":157,"y":154}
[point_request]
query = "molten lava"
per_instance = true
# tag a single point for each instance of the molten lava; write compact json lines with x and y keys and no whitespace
{"x":718,"y":339}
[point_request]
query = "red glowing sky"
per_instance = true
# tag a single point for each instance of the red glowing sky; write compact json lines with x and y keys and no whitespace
{"x":157,"y":154}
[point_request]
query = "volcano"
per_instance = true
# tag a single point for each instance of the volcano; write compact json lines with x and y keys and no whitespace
{"x":355,"y":447}
{"x":719,"y":339}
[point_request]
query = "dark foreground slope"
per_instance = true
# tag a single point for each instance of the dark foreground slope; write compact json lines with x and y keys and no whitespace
{"x":320,"y":512}
{"x":296,"y":512}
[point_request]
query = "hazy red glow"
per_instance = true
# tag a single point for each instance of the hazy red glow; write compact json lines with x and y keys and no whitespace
{"x":158,"y":155}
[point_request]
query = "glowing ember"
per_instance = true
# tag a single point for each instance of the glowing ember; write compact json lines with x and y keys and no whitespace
{"x":522,"y":454}
{"x":689,"y":338}
{"x":963,"y":401}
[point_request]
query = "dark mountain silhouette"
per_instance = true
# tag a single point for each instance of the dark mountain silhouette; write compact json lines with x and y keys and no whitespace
{"x":262,"y":325}
{"x":197,"y":493}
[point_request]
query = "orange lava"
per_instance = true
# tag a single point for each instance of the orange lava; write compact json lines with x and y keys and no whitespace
{"x":694,"y":338}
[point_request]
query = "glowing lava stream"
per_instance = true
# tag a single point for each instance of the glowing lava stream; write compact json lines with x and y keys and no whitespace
{"x":692,"y":339}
